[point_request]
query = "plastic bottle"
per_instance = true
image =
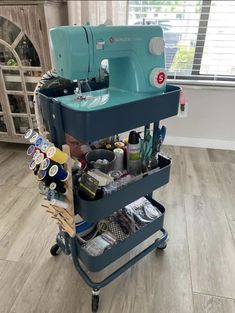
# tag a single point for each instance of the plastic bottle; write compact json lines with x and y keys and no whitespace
{"x":133,"y":154}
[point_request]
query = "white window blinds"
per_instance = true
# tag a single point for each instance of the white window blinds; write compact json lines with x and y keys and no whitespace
{"x":199,"y":36}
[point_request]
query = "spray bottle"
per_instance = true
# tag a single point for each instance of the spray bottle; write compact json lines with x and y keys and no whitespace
{"x":133,"y":154}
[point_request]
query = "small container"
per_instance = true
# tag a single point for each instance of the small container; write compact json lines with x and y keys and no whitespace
{"x":133,"y":154}
{"x":119,"y":161}
{"x":119,"y":144}
{"x":101,"y":154}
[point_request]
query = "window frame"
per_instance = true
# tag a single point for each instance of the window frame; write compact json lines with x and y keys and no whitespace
{"x":196,"y":77}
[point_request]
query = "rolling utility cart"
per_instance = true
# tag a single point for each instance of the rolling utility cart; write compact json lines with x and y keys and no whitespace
{"x":90,"y":125}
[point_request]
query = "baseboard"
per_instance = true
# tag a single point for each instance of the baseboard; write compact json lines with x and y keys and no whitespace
{"x":200,"y":143}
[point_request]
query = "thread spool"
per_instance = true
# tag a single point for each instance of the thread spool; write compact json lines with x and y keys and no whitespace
{"x":58,"y":173}
{"x":33,"y":138}
{"x":119,"y":144}
{"x":57,"y":155}
{"x":119,"y":160}
{"x":47,"y":164}
{"x":29,"y":133}
{"x":59,"y":203}
{"x":43,"y":188}
{"x":43,"y":176}
{"x":39,"y":158}
{"x":34,"y":167}
{"x":59,"y":187}
{"x":46,"y":144}
{"x":30,"y":150}
{"x":52,"y":194}
{"x":38,"y":142}
{"x":36,"y":154}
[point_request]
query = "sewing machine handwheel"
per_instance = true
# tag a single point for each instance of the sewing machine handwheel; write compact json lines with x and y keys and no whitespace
{"x":55,"y":250}
{"x":95,"y":303}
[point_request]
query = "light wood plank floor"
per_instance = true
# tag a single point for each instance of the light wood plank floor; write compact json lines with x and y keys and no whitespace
{"x":195,"y":274}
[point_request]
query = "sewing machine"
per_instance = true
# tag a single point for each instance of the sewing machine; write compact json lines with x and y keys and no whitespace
{"x":135,"y":55}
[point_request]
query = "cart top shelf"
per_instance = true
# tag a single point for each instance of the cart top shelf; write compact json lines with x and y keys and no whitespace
{"x":101,"y":99}
{"x":108,"y":112}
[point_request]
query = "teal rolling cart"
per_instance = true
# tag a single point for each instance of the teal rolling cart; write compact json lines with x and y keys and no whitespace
{"x":87,"y":126}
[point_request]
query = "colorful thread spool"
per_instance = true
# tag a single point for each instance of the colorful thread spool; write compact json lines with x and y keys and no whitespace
{"x":38,"y":142}
{"x":58,"y":173}
{"x":119,"y":144}
{"x":43,"y":188}
{"x":30,"y":150}
{"x":59,"y":203}
{"x":59,"y":187}
{"x":47,"y":164}
{"x":39,"y":158}
{"x":29,"y":133}
{"x":36,"y":154}
{"x":43,"y":176}
{"x":52,"y":194}
{"x":46,"y":144}
{"x":32,"y":165}
{"x":33,"y":138}
{"x":57,"y":155}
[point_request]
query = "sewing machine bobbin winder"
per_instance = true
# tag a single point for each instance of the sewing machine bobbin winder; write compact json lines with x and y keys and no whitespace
{"x":137,"y":95}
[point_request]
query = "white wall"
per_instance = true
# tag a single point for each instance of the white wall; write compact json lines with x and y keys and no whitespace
{"x":210,"y":122}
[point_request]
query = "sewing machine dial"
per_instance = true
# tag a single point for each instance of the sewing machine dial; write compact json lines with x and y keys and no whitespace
{"x":158,"y":77}
{"x":156,"y":46}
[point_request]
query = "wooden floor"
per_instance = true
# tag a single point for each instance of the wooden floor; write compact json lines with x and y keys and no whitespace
{"x":195,"y":274}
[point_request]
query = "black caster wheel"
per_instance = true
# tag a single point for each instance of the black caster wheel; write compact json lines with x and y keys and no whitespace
{"x":95,"y":302}
{"x":55,"y":250}
{"x":162,"y":246}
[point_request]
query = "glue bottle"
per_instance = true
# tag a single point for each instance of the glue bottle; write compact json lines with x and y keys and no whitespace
{"x":133,"y":154}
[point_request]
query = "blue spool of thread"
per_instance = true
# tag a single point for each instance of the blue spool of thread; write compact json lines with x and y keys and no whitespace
{"x":45,"y":164}
{"x":59,"y":187}
{"x":39,"y":141}
{"x":31,"y":150}
{"x":58,"y":173}
{"x":52,"y":194}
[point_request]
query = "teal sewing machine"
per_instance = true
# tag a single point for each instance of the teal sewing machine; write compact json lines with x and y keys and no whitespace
{"x":137,"y":94}
{"x":135,"y":55}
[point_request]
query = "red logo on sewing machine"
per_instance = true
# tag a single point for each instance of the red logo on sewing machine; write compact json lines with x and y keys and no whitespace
{"x":160,"y":78}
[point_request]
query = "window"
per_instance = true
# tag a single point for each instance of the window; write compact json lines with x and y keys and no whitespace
{"x":199,"y":36}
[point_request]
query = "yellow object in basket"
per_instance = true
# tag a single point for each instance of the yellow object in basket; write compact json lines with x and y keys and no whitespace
{"x":57,"y":155}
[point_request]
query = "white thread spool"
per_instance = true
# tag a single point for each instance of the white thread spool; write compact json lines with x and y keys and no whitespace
{"x":118,"y":165}
{"x":60,"y":204}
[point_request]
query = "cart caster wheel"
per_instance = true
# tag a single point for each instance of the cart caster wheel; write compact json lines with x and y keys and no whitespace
{"x":55,"y":250}
{"x":95,"y":301}
{"x":162,"y":246}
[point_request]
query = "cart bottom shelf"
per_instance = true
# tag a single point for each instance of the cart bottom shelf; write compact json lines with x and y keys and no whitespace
{"x":97,"y":263}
